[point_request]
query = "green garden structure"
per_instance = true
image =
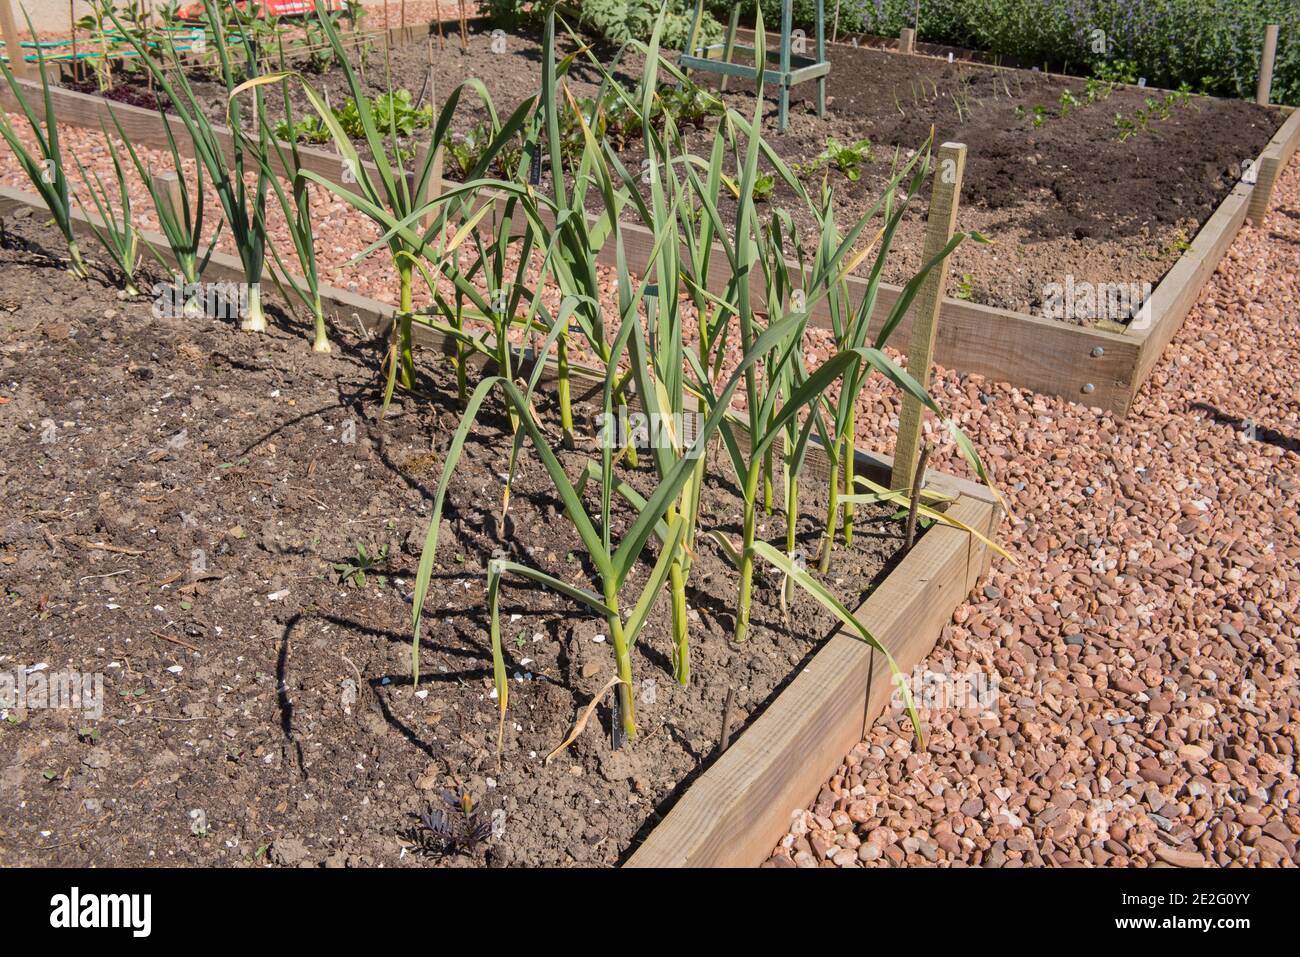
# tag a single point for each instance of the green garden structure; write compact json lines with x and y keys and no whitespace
{"x":782,"y":66}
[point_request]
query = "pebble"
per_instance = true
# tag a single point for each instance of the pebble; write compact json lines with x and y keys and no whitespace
{"x":1141,"y":644}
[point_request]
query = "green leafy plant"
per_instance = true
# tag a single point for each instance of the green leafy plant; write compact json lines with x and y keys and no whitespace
{"x":309,"y":129}
{"x":113,"y":225}
{"x":758,"y":308}
{"x":243,"y":205}
{"x":356,"y":571}
{"x":45,"y":169}
{"x":305,"y":282}
{"x":386,"y":192}
{"x":848,"y":159}
{"x":180,"y":217}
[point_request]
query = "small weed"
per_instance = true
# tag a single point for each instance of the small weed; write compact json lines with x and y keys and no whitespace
{"x":454,"y":829}
{"x":848,"y":159}
{"x":355,"y":571}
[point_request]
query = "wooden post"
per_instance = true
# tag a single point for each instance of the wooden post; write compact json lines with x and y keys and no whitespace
{"x":172,"y":184}
{"x":944,"y":197}
{"x":1265,"y":177}
{"x":433,"y":185}
{"x":729,"y":45}
{"x":13,"y":43}
{"x":821,"y":56}
{"x":907,"y":41}
{"x":783,"y":103}
{"x":1266,"y":65}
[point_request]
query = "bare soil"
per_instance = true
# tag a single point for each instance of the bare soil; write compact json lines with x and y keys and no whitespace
{"x":1065,"y":198}
{"x":176,"y":495}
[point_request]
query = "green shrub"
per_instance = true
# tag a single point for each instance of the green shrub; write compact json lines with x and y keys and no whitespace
{"x":1211,"y":45}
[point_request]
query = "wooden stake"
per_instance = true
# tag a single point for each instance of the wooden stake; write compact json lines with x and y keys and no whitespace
{"x":464,"y":27}
{"x":944,"y":198}
{"x":13,"y":43}
{"x":724,"y":739}
{"x":72,"y":32}
{"x":433,"y":185}
{"x":172,"y":184}
{"x":907,"y":40}
{"x":1266,"y":65}
{"x":1260,"y":194}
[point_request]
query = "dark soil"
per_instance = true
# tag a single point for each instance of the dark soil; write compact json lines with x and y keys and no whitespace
{"x":1062,"y":199}
{"x":176,"y":494}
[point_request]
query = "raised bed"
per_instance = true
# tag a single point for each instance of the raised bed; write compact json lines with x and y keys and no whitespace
{"x":734,"y":812}
{"x":1096,"y":366}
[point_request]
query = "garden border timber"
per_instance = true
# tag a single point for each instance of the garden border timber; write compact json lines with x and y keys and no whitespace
{"x":735,"y":812}
{"x":1099,"y":367}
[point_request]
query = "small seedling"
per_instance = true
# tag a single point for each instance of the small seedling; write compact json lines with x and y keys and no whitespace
{"x":457,"y":828}
{"x":355,"y":571}
{"x":848,"y":159}
{"x":966,"y":288}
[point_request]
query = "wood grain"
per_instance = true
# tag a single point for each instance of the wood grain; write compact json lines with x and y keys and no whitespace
{"x":13,"y":42}
{"x":940,"y":226}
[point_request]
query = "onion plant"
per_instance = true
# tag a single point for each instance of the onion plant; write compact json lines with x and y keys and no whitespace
{"x":180,"y":217}
{"x":785,"y":400}
{"x":115,"y":228}
{"x":682,"y":210}
{"x":45,"y":168}
{"x":243,"y":205}
{"x":387,"y":195}
{"x":305,"y":282}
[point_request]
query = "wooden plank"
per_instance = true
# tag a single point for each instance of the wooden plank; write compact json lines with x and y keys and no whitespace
{"x":1264,"y":87}
{"x":733,"y":815}
{"x":13,"y":41}
{"x":941,"y":223}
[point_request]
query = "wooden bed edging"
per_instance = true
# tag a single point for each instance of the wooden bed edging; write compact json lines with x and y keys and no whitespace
{"x":1178,"y":291}
{"x":734,"y":813}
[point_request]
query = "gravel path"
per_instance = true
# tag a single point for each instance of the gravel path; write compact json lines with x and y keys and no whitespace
{"x":1145,"y":648}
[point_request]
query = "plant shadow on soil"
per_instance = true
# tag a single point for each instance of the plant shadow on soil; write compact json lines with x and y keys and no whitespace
{"x":223,"y":687}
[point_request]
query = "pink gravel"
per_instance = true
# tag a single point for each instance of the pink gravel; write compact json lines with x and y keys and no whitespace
{"x":1145,"y":647}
